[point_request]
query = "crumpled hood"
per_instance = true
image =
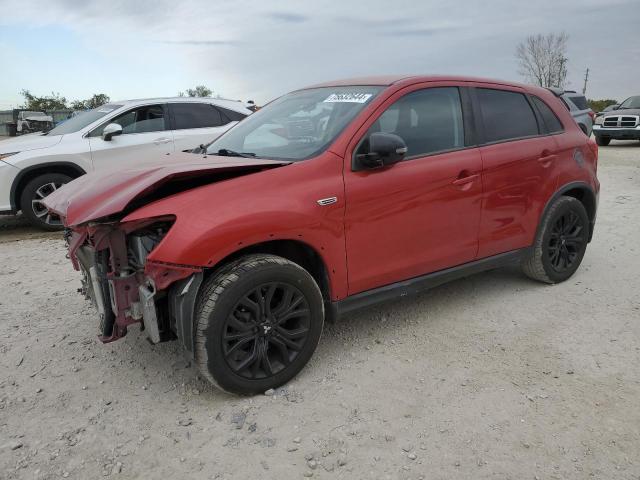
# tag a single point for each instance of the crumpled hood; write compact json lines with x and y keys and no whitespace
{"x":102,"y":194}
{"x":31,"y":141}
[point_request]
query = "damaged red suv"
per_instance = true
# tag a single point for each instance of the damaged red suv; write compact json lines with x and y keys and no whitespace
{"x":330,"y":198}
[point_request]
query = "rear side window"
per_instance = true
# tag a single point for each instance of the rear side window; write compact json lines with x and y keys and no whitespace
{"x":506,"y":115}
{"x":231,"y":115}
{"x":195,"y":115}
{"x":580,"y":102}
{"x":551,"y":122}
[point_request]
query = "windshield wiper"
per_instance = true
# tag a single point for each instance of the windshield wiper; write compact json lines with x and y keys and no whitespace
{"x":225,"y":152}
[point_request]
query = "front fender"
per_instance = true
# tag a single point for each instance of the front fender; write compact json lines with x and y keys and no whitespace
{"x":217,"y":220}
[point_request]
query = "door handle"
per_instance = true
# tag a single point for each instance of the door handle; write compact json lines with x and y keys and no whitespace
{"x":160,"y":141}
{"x":465,"y":178}
{"x":546,"y":157}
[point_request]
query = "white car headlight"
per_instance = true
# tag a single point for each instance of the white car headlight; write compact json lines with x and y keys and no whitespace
{"x":599,"y":120}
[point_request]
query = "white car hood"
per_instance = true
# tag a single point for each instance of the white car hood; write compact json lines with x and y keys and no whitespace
{"x":32,"y":141}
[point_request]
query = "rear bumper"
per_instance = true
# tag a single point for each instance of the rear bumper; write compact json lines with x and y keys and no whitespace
{"x":617,"y":133}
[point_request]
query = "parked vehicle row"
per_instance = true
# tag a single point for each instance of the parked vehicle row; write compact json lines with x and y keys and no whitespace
{"x":117,"y":135}
{"x":330,"y":198}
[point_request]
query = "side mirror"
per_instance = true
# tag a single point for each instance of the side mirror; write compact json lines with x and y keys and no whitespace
{"x":110,"y":131}
{"x":384,"y":149}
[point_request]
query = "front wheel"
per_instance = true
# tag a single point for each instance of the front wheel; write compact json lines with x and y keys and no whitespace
{"x":32,"y":200}
{"x":603,"y":141}
{"x":258,"y":322}
{"x":560,"y":244}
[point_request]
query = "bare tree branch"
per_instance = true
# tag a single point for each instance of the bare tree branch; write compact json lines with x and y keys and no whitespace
{"x":542,"y":59}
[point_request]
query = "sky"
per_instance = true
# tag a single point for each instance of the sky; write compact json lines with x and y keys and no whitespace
{"x":260,"y":50}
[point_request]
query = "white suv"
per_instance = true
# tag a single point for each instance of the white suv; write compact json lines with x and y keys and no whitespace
{"x":115,"y":135}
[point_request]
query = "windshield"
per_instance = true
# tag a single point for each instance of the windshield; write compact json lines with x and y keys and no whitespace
{"x":631,"y":102}
{"x":296,"y":126}
{"x":83,"y":119}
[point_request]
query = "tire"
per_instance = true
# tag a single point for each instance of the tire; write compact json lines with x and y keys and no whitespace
{"x":31,"y":196}
{"x":560,"y":243}
{"x":244,"y":347}
{"x":603,"y":141}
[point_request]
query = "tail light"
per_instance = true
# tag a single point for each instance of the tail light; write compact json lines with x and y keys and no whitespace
{"x":592,"y":114}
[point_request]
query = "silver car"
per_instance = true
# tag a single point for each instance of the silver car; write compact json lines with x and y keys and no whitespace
{"x":579,"y":108}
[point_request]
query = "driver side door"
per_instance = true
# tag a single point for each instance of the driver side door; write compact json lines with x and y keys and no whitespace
{"x":146,"y":137}
{"x":422,"y":214}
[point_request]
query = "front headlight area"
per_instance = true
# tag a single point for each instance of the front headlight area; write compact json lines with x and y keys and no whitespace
{"x":599,"y":120}
{"x":142,"y":241}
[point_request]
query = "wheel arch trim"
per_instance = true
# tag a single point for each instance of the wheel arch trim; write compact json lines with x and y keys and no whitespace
{"x":41,"y":168}
{"x":589,"y":200}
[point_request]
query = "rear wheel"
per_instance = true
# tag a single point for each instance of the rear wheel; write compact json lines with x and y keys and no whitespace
{"x":32,"y":200}
{"x":258,"y":322}
{"x":560,"y":244}
{"x":603,"y":141}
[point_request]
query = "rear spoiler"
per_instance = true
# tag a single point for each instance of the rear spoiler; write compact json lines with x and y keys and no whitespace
{"x":556,"y":91}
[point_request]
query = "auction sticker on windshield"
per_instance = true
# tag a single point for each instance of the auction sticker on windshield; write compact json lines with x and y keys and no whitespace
{"x":348,"y":97}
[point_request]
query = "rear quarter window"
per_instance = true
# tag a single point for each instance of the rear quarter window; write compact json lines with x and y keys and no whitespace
{"x":551,"y":121}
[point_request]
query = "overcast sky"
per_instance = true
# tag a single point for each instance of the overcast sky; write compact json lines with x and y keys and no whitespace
{"x":261,"y":49}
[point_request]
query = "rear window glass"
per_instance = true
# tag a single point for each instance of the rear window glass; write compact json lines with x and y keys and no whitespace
{"x":552,"y":123}
{"x":506,"y":115}
{"x":580,"y":102}
{"x":195,"y":115}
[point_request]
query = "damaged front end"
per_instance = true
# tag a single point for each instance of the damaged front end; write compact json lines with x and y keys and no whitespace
{"x":124,"y":285}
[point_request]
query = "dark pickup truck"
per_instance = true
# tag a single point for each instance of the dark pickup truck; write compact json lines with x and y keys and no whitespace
{"x":623,"y":123}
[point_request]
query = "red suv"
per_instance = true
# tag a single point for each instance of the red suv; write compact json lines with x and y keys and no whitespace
{"x":330,"y":198}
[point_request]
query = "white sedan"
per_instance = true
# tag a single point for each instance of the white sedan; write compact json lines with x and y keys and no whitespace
{"x":116,"y":135}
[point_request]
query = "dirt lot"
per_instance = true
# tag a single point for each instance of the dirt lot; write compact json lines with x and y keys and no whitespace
{"x":493,"y":376}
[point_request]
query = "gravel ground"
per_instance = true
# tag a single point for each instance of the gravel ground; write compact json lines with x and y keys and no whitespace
{"x":493,"y":376}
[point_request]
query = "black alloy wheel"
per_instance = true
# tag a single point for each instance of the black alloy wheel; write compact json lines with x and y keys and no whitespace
{"x":566,"y":241}
{"x":266,"y":330}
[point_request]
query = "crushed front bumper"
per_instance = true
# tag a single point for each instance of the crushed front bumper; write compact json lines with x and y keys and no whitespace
{"x":122,"y":294}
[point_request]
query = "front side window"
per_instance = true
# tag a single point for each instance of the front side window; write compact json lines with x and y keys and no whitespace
{"x":428,"y":121}
{"x":145,"y":119}
{"x":551,"y":121}
{"x":296,"y":126}
{"x":195,"y":115}
{"x":506,"y":115}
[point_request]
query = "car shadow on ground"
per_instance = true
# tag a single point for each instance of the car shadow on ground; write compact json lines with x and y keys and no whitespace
{"x":16,"y":227}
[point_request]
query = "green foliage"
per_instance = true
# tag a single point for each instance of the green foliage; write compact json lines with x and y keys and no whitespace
{"x":95,"y":101}
{"x":599,"y":105}
{"x":199,"y":91}
{"x":56,"y":102}
{"x":45,"y":103}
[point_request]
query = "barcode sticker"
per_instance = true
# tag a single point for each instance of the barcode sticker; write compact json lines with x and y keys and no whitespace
{"x":348,"y":98}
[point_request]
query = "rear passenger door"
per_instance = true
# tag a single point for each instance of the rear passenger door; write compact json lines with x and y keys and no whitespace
{"x":518,"y":167}
{"x":196,"y":123}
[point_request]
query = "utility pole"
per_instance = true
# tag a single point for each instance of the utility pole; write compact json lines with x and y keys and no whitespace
{"x":586,"y":78}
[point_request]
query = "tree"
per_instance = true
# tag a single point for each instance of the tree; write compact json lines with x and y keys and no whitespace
{"x":97,"y":100}
{"x":543,"y":59}
{"x":199,"y":91}
{"x":599,"y":105}
{"x":43,"y":104}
